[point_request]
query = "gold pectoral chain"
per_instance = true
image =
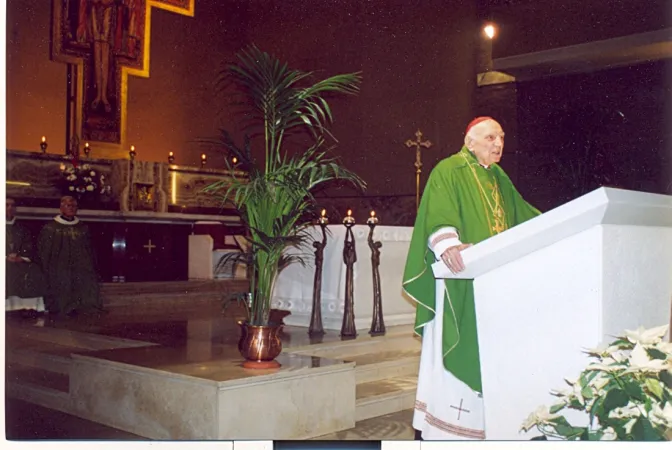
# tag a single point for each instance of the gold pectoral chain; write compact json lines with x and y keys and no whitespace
{"x":497,"y":210}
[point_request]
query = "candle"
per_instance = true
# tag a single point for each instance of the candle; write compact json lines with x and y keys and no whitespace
{"x":323,"y":218}
{"x":373,"y":219}
{"x":235,"y":160}
{"x":44,"y":139}
{"x":87,"y":149}
{"x":43,"y":144}
{"x":204,"y":159}
{"x":132,"y":152}
{"x":349,"y":220}
{"x":171,"y":157}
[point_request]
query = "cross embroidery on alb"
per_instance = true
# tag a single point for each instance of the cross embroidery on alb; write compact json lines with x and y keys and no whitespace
{"x":459,"y":409}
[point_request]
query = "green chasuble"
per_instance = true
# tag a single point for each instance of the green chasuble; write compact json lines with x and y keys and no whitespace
{"x":68,"y":264}
{"x":479,"y":203}
{"x":22,"y":279}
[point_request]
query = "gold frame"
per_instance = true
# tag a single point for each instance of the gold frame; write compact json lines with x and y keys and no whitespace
{"x":107,"y":149}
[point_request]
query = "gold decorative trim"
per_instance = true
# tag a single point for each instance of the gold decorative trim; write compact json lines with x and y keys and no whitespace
{"x":109,"y":149}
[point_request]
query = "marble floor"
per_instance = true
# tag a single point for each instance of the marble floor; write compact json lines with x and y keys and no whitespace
{"x":191,"y":341}
{"x":25,"y":421}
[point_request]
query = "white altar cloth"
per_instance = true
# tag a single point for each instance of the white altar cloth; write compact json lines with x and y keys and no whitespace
{"x":294,"y":288}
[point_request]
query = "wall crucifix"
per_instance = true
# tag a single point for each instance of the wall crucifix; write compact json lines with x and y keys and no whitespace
{"x":418,"y":143}
{"x":104,"y":41}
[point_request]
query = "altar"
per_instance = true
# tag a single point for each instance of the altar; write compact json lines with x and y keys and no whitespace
{"x":141,"y":227}
{"x":294,"y":287}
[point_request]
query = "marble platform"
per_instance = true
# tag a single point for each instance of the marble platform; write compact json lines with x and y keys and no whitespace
{"x":178,"y":375}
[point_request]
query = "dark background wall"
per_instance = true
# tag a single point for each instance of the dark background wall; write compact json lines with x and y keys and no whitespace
{"x":607,"y":128}
{"x":416,"y":58}
{"x":527,"y":26}
{"x":569,"y":134}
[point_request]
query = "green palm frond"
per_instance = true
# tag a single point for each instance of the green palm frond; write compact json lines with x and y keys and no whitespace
{"x":275,"y":200}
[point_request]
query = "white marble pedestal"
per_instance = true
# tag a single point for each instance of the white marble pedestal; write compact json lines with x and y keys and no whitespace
{"x":294,"y":288}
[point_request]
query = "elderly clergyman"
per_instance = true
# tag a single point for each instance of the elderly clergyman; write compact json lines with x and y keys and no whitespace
{"x":468,"y":198}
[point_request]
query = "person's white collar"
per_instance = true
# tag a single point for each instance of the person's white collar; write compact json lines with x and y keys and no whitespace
{"x":62,"y":221}
{"x":11,"y":222}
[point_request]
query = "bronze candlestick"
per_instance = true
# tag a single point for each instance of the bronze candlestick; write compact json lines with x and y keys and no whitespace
{"x":377,"y":322}
{"x":316,"y":328}
{"x":348,"y":329}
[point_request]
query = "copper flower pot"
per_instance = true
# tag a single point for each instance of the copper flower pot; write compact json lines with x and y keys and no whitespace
{"x":260,"y":345}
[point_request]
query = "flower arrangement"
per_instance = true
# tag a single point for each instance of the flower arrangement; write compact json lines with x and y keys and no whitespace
{"x":83,"y":180}
{"x":626,"y":392}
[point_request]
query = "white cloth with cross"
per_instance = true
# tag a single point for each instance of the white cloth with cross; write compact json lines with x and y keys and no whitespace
{"x":445,"y":407}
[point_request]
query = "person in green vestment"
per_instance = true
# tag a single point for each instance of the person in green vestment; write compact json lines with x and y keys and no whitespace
{"x":468,"y":199}
{"x":24,"y":283}
{"x":68,"y":263}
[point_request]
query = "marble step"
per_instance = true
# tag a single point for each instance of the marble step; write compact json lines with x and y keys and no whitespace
{"x":54,"y":358}
{"x":399,"y":338}
{"x":386,"y":364}
{"x":390,"y":395}
{"x":19,"y":373}
{"x":41,"y":387}
{"x":168,"y":287}
{"x":81,"y":340}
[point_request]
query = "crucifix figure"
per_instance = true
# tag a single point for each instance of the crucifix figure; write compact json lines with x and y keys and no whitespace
{"x":418,"y":161}
{"x":105,"y":40}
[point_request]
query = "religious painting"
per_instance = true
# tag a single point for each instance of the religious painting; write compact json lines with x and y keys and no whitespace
{"x":107,"y":39}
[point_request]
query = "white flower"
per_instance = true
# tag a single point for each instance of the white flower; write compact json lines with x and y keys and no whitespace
{"x":665,"y":347}
{"x":628,"y":426}
{"x":62,"y":166}
{"x":93,"y":174}
{"x":630,"y":410}
{"x":598,"y":382}
{"x":71,"y":188}
{"x":605,"y":367}
{"x":89,"y":188}
{"x":661,"y":416}
{"x":641,"y":362}
{"x":602,"y":350}
{"x":609,"y":435}
{"x":646,"y":337}
{"x":541,"y":415}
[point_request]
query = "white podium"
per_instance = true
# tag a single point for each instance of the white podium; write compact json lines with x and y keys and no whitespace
{"x":562,"y":282}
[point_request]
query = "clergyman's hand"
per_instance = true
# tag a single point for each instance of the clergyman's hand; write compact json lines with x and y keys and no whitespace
{"x":453,"y":259}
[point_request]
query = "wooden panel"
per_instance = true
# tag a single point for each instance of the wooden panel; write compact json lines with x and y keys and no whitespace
{"x":123,"y":249}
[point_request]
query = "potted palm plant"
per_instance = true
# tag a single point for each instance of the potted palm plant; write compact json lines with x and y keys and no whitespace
{"x":275,"y":200}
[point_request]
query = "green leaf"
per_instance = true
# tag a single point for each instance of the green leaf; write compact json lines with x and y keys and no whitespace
{"x":587,"y":392}
{"x":666,"y":378}
{"x":594,"y":436}
{"x":558,"y":407}
{"x":614,"y":399}
{"x":644,"y":431}
{"x":633,"y":389}
{"x":565,"y":429}
{"x":654,"y":353}
{"x":654,"y":387}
